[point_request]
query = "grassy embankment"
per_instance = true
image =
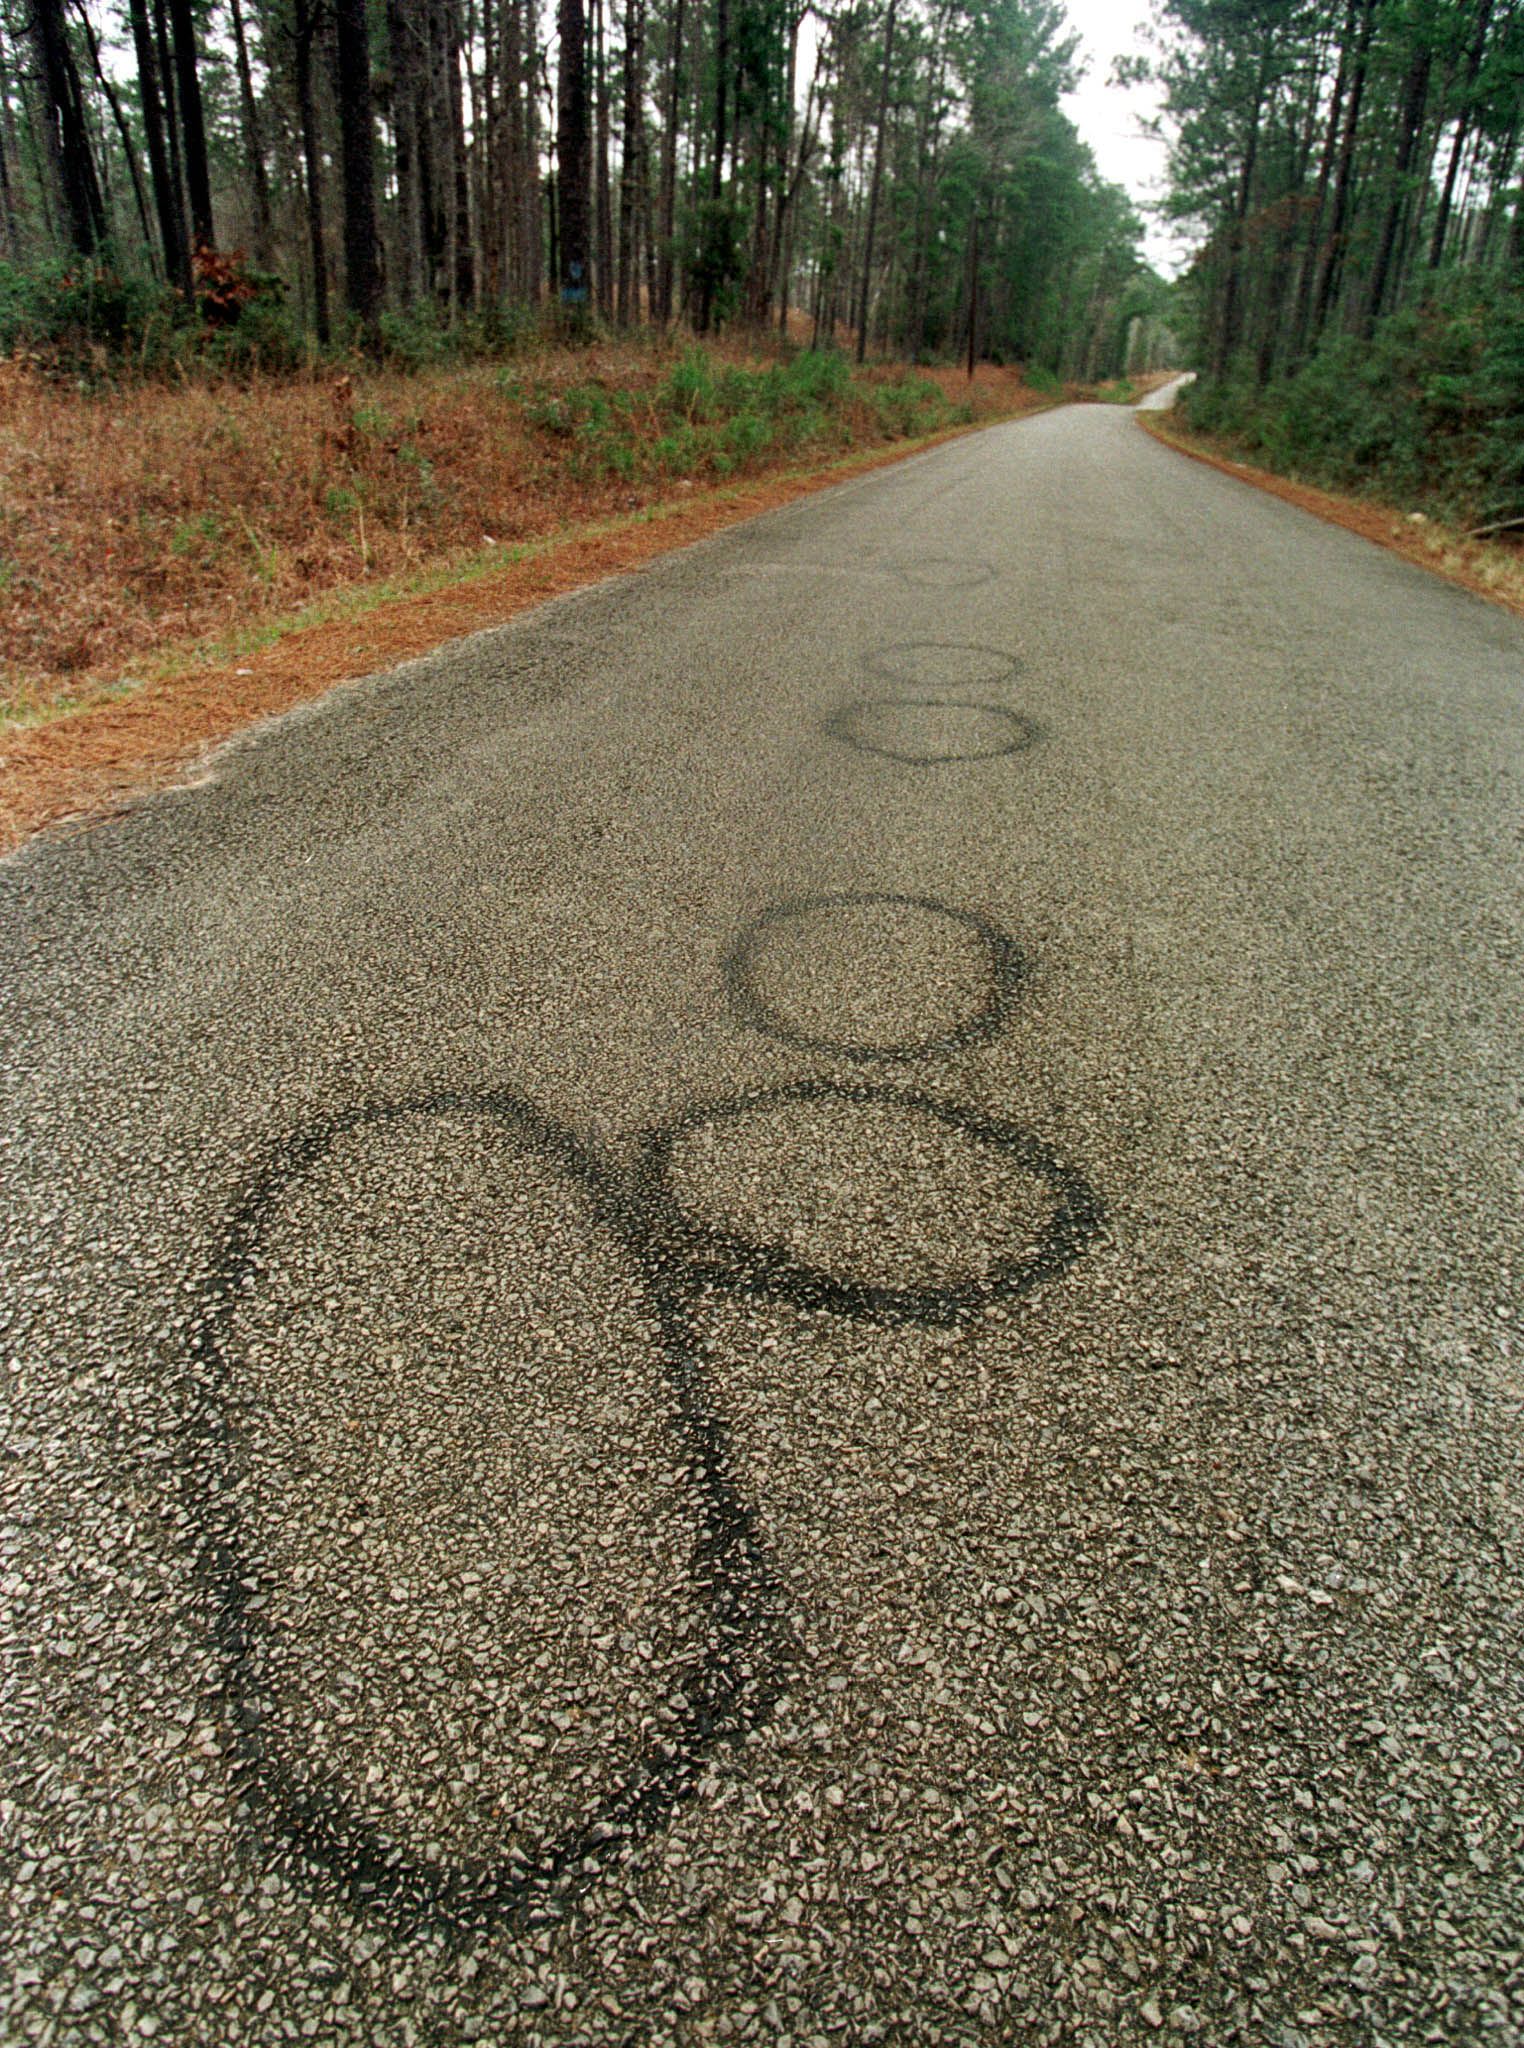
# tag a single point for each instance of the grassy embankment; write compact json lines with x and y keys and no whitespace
{"x":175,"y":563}
{"x":137,"y":523}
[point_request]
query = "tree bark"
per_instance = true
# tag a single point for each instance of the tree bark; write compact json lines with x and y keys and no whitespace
{"x":573,"y":163}
{"x":633,"y":158}
{"x":8,"y":155}
{"x":65,"y":137}
{"x":253,"y":143}
{"x":1306,"y":281}
{"x":198,"y":176}
{"x":1462,"y":128}
{"x":305,"y":29}
{"x":662,"y":311}
{"x":604,"y":265}
{"x":874,"y":188}
{"x":405,"y":50}
{"x":1332,"y":259}
{"x":1410,"y":128}
{"x":463,"y":273}
{"x":129,"y":144}
{"x":357,"y":154}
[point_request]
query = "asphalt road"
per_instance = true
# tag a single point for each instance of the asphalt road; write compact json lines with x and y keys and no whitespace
{"x":783,"y":1308}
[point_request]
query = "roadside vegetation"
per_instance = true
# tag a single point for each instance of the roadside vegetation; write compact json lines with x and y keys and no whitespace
{"x":147,"y":516}
{"x":1354,"y":172}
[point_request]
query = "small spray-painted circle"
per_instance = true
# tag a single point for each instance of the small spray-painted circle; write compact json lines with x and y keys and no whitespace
{"x":1002,"y":968}
{"x":728,"y":1257}
{"x":952,"y":665}
{"x":927,"y":732}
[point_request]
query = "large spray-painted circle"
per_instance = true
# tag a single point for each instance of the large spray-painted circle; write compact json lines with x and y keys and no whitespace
{"x":728,"y":1258}
{"x":953,"y":665}
{"x":734,"y":1679}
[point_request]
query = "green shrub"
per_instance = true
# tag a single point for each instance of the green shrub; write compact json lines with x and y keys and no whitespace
{"x":1429,"y":411}
{"x":76,"y":312}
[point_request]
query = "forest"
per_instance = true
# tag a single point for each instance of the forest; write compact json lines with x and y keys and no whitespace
{"x":412,"y":178}
{"x":1354,"y":176}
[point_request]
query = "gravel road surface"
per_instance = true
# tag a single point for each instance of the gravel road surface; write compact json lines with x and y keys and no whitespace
{"x":783,"y":1308}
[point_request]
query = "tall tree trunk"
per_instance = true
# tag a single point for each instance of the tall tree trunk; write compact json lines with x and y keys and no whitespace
{"x":630,"y":179}
{"x":253,"y":143}
{"x":573,"y":163}
{"x":1232,"y":290}
{"x":926,"y":158}
{"x":667,"y":228}
{"x":304,"y":32}
{"x":406,"y":53}
{"x":124,"y":133}
{"x":463,"y":277}
{"x":721,"y":82}
{"x":434,"y":157}
{"x":1331,"y":262}
{"x":166,"y":189}
{"x":357,"y":150}
{"x":604,"y":266}
{"x":864,"y":299}
{"x":489,"y":185}
{"x":1462,"y":127}
{"x":792,"y":179}
{"x":1308,"y":277}
{"x":9,"y":156}
{"x":65,"y":136}
{"x":705,"y":310}
{"x":198,"y":175}
{"x":166,"y":67}
{"x":1409,"y":132}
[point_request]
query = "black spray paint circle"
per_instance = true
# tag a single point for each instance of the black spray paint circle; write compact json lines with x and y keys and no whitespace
{"x":852,"y":725}
{"x":924,"y":662}
{"x":728,"y":1259}
{"x":1005,"y":963}
{"x":733,"y":1690}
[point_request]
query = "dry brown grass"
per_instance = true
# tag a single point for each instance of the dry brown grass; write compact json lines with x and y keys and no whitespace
{"x":89,"y":748}
{"x":148,"y":518}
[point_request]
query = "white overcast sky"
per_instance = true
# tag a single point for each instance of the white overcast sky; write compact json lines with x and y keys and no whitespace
{"x":1111,"y":121}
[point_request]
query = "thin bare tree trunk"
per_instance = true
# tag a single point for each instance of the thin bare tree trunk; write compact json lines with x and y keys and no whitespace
{"x":874,"y":188}
{"x":253,"y":142}
{"x":604,"y":266}
{"x":662,"y":310}
{"x":198,"y":175}
{"x":66,"y":141}
{"x":631,"y":168}
{"x":128,"y":142}
{"x":304,"y":31}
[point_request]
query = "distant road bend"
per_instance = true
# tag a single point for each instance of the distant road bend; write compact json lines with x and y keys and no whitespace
{"x":782,"y":1308}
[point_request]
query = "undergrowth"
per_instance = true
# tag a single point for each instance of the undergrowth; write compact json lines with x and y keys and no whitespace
{"x":1428,"y":413}
{"x":133,"y":517}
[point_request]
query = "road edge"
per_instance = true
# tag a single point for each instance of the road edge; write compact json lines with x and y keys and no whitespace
{"x":95,"y":761}
{"x":1414,"y":539}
